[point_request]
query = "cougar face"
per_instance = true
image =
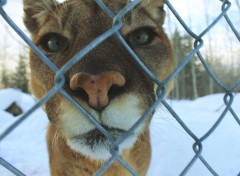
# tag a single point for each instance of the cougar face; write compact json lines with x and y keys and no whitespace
{"x":106,"y":82}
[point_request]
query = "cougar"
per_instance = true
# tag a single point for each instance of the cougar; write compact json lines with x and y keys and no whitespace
{"x":107,"y":82}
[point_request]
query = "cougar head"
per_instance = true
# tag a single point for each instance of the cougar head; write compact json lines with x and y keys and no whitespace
{"x":107,"y":82}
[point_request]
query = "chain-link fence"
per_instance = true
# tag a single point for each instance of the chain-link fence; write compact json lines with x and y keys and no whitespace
{"x":114,"y":30}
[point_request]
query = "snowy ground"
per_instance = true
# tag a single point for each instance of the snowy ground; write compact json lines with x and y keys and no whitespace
{"x":25,"y":148}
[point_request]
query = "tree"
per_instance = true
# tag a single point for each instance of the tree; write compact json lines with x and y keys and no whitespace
{"x":186,"y":80}
{"x":20,"y":77}
{"x":4,"y":77}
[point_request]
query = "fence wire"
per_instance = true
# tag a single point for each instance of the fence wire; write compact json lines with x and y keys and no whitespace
{"x":161,"y":91}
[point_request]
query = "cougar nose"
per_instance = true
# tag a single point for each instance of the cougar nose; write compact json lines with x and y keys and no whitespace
{"x":97,"y":86}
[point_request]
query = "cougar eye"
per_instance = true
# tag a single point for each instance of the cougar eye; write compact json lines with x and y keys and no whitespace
{"x":53,"y":42}
{"x":142,"y":36}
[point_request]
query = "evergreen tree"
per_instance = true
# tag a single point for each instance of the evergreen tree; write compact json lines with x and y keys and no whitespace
{"x":187,"y":84}
{"x":20,"y":77}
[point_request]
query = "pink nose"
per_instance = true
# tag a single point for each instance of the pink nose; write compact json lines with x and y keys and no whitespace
{"x":97,"y":86}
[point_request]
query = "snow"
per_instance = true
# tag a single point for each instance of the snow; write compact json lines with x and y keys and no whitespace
{"x":173,"y":149}
{"x":26,"y":149}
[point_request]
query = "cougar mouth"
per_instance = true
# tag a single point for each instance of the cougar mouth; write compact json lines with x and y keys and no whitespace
{"x":117,"y":118}
{"x":97,"y":146}
{"x":95,"y":137}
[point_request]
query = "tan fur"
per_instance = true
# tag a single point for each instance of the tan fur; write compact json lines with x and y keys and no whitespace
{"x":73,"y":149}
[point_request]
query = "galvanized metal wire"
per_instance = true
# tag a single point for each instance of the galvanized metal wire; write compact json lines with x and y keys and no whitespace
{"x":161,"y":91}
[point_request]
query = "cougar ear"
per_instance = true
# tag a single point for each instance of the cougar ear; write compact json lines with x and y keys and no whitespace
{"x":35,"y":13}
